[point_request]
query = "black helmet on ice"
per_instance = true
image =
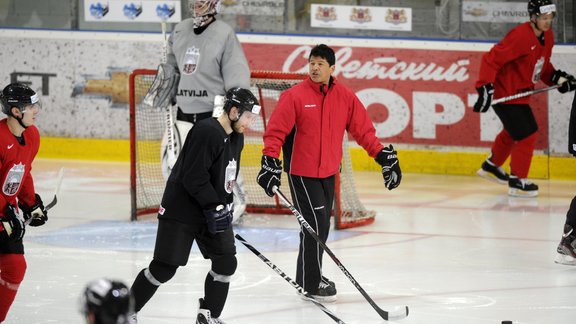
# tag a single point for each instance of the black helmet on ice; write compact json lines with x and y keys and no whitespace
{"x":17,"y":95}
{"x":541,"y":7}
{"x":243,"y":99}
{"x":109,"y":301}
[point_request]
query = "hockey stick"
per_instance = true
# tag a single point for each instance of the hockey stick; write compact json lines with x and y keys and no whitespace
{"x":292,"y":282}
{"x":396,"y":314}
{"x":524,"y":94}
{"x":55,"y":199}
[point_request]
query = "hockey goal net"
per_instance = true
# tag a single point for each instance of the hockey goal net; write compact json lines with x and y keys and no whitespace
{"x":147,"y":126}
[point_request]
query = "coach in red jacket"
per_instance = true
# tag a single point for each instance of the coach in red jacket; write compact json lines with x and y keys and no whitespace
{"x":309,"y":124}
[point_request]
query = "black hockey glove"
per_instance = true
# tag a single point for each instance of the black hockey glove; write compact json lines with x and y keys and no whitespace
{"x":485,"y":96}
{"x":14,"y":227}
{"x":37,"y":213}
{"x":218,"y":219}
{"x":390,"y":167}
{"x":566,"y":81}
{"x":270,"y":174}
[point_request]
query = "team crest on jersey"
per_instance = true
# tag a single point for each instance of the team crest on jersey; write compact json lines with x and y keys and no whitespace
{"x":230,"y":176}
{"x":13,"y":179}
{"x":191,"y":60}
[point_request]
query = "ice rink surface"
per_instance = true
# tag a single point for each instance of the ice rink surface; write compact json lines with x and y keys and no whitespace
{"x":454,"y":249}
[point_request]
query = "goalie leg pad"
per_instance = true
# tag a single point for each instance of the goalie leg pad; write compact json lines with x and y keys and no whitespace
{"x":181,"y":129}
{"x":239,"y":199}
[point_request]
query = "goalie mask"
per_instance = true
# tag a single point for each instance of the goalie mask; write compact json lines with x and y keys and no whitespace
{"x":203,"y":10}
{"x":541,"y":7}
{"x":107,"y":301}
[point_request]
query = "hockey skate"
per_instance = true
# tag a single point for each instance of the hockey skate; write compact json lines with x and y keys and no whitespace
{"x":132,"y":319}
{"x":493,"y":173}
{"x":521,"y":187}
{"x":566,"y":249}
{"x":326,"y":292}
{"x":204,"y":316}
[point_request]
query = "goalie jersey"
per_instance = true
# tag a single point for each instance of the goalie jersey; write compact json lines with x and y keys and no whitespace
{"x":204,"y":174}
{"x":209,"y":63}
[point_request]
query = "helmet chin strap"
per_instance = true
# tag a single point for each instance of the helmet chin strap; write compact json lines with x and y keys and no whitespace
{"x":234,"y":121}
{"x":19,"y":119}
{"x":534,"y":22}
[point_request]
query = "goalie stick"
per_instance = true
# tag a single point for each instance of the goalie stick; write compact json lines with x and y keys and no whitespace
{"x":292,"y":282}
{"x":55,"y":199}
{"x":524,"y":94}
{"x":170,"y":147}
{"x":398,"y":313}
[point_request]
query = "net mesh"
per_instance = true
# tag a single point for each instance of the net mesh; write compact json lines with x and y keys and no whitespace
{"x":147,"y":129}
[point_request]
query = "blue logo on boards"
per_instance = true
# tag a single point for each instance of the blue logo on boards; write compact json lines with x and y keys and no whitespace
{"x":98,"y":10}
{"x":165,"y":11}
{"x":132,"y":11}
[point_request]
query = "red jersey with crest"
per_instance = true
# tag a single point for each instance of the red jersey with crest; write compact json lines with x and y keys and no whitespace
{"x":15,"y":166}
{"x":517,"y":63}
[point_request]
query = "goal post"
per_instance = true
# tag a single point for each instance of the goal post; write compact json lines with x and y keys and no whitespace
{"x":147,"y":128}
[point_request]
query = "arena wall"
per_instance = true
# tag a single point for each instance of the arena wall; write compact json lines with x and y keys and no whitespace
{"x":418,"y":93}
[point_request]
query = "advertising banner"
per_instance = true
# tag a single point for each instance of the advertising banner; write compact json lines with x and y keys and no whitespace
{"x":494,"y":12}
{"x":254,"y":7}
{"x":414,"y":96}
{"x":360,"y":17}
{"x":132,"y":11}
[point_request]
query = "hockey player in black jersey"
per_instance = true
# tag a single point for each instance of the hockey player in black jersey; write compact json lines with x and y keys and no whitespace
{"x":198,"y":204}
{"x":566,"y":250}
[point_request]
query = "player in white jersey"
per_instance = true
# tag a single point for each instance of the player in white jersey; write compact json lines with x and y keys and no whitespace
{"x":210,"y":60}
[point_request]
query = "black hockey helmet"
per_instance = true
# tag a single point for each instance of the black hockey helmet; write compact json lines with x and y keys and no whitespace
{"x":18,"y":95}
{"x":110,"y":302}
{"x":539,"y":7}
{"x":243,"y":99}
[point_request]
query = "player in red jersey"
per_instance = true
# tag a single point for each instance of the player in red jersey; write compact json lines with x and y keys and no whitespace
{"x":19,"y":142}
{"x":515,"y":65}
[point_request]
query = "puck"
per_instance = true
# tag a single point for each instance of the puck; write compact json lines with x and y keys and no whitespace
{"x":506,"y":322}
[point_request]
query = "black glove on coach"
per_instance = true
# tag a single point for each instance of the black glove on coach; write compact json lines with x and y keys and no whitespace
{"x":390,"y":167}
{"x":270,"y":174}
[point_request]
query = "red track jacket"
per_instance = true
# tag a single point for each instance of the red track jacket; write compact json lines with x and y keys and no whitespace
{"x":517,"y":63}
{"x":309,"y":126}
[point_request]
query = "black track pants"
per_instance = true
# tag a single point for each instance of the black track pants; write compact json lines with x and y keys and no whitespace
{"x":314,"y":198}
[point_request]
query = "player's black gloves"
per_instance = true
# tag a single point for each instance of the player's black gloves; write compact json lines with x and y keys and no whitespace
{"x":390,"y":167}
{"x":36,"y":212}
{"x":566,"y":81}
{"x":270,"y":174}
{"x":218,"y":219}
{"x":485,"y":96}
{"x":13,"y":226}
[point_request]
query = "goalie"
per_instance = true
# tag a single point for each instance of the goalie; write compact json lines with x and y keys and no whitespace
{"x":204,"y":59}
